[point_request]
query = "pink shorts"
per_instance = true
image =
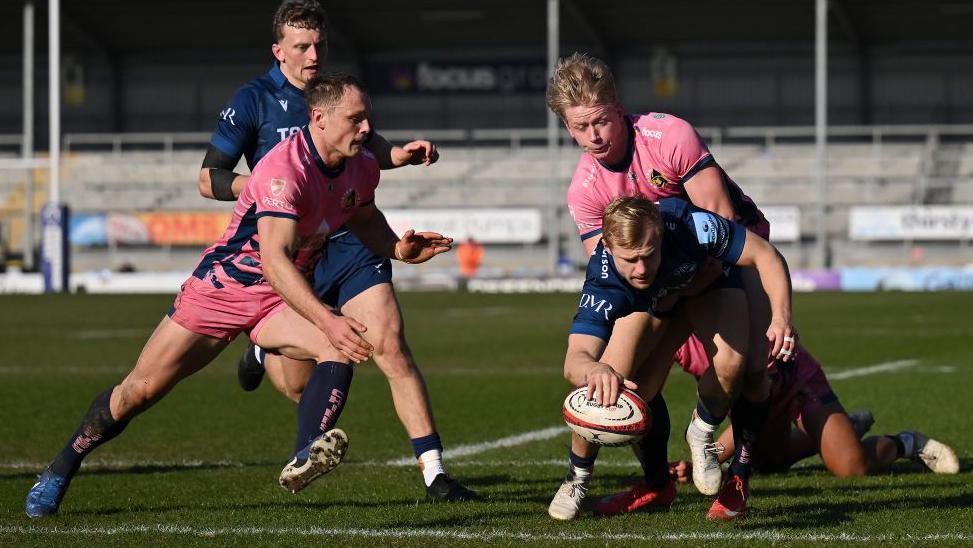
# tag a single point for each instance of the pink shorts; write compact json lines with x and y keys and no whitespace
{"x":797,"y":387}
{"x":224,"y":312}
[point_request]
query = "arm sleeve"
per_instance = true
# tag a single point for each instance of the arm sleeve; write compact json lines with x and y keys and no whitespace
{"x":586,"y":214}
{"x":276,"y":193}
{"x":236,"y":127}
{"x":372,"y":174}
{"x":598,"y":310}
{"x":716,"y":236}
{"x":683,"y":151}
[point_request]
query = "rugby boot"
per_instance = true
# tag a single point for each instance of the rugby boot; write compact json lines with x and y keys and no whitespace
{"x":445,"y":489}
{"x":566,"y":504}
{"x":638,"y":497}
{"x":45,"y":497}
{"x":249,"y":370}
{"x":706,"y":459}
{"x":861,"y":421}
{"x":935,"y":455}
{"x":732,"y":500}
{"x":318,"y":458}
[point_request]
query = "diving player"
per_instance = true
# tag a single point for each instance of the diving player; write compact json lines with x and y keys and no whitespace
{"x":647,"y":254}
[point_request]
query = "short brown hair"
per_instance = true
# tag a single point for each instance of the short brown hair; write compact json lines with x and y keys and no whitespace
{"x":626,"y":220}
{"x":302,"y":14}
{"x":326,"y":89}
{"x":580,"y":80}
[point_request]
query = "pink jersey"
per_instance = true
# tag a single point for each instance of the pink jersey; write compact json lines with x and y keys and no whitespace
{"x":291,"y":182}
{"x":667,"y":151}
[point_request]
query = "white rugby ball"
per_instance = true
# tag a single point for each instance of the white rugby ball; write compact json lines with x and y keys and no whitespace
{"x":610,"y":426}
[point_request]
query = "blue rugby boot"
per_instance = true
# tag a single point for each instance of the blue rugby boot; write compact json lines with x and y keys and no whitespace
{"x":319,"y":457}
{"x":45,"y":496}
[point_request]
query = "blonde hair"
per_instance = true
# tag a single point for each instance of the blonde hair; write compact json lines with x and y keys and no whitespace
{"x":580,"y":80}
{"x":627,"y":219}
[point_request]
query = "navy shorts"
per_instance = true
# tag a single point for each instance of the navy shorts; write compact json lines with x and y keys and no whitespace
{"x":347,"y":268}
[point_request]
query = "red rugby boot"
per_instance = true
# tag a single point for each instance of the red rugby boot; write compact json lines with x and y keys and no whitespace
{"x":639,"y":496}
{"x":731,"y":503}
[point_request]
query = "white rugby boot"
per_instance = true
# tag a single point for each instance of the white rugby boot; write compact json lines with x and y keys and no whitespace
{"x":321,"y":456}
{"x":566,"y":504}
{"x":707,"y":474}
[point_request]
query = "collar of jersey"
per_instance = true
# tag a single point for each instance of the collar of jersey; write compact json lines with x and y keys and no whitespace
{"x":327,"y":171}
{"x":627,"y":160}
{"x":281,"y":81}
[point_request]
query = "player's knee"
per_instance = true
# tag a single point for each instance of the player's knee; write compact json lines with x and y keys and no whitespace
{"x":393,"y":357}
{"x":729,"y":366}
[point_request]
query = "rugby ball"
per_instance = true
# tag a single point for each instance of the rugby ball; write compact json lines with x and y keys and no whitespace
{"x":610,"y":426}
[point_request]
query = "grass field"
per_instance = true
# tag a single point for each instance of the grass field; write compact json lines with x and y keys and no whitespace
{"x":201,"y":467}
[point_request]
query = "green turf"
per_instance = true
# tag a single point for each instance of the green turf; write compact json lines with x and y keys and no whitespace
{"x":201,"y":466}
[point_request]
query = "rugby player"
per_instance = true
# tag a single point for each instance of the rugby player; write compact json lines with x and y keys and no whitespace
{"x":809,"y":419}
{"x":648,"y":253}
{"x":659,"y":155}
{"x":254,"y":279}
{"x":349,"y":278}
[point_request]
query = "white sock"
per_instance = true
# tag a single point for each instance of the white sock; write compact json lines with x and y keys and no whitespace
{"x":581,"y":473}
{"x":702,"y":425}
{"x":431,"y":465}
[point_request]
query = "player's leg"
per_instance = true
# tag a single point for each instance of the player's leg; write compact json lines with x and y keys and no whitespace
{"x":830,"y":428}
{"x":288,"y":376}
{"x":631,"y":345}
{"x":656,"y":489}
{"x":171,"y":354}
{"x":882,"y":451}
{"x":366,"y":293}
{"x":319,"y":446}
{"x":718,"y":319}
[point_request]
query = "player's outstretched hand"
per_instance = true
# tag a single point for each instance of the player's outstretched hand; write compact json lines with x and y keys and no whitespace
{"x":782,"y":339}
{"x":415,"y":153}
{"x":345,"y":335}
{"x":606,"y":383}
{"x":681,"y":472}
{"x":418,"y":247}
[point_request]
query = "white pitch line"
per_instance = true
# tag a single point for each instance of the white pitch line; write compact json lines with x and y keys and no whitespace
{"x":470,"y":534}
{"x":477,"y":448}
{"x":872,"y":369}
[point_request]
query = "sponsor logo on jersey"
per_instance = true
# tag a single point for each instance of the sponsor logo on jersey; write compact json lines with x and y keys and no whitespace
{"x":283,"y":104}
{"x":659,"y":116}
{"x":604,"y":264}
{"x":350,"y":199}
{"x":278,"y":204}
{"x":601,"y":306}
{"x":227,"y":115}
{"x":653,"y":133}
{"x":657,"y":179}
{"x":285,"y":132}
{"x":277,"y":186}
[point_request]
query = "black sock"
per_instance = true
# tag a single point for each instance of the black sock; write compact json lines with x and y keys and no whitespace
{"x":96,"y":428}
{"x":653,"y":448}
{"x":321,"y":402}
{"x":899,"y":446}
{"x":586,"y":463}
{"x":748,"y":420}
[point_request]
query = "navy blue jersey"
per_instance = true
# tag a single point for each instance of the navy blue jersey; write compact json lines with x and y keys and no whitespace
{"x":690,"y":236}
{"x":262,"y":113}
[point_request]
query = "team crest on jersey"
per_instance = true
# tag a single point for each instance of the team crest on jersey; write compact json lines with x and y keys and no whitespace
{"x":657,"y":179}
{"x":349,"y":200}
{"x":277,"y":186}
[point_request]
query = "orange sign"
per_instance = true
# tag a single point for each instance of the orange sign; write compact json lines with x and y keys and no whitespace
{"x":202,"y":228}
